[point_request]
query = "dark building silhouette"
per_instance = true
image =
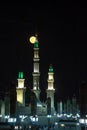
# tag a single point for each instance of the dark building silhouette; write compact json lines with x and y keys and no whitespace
{"x":27,"y":96}
{"x":33,"y":104}
{"x":83,"y":99}
{"x":49,"y":106}
{"x":12,"y":100}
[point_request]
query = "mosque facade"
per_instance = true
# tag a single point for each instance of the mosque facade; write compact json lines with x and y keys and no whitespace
{"x":21,"y":102}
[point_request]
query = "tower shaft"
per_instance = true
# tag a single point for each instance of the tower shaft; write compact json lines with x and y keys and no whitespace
{"x":36,"y":73}
{"x":21,"y":90}
{"x":50,"y":89}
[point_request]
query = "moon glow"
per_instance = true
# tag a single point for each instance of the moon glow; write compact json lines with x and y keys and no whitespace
{"x":32,"y":39}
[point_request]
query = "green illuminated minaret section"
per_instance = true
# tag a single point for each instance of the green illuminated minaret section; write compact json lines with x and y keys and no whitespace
{"x":20,"y":75}
{"x":20,"y":89}
{"x":50,"y":89}
{"x":36,"y":73}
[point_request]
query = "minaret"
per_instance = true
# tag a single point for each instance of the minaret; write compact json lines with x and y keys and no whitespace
{"x":21,"y":90}
{"x":50,"y":89}
{"x":36,"y":73}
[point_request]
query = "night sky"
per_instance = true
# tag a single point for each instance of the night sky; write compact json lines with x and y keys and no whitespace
{"x":62,"y":35}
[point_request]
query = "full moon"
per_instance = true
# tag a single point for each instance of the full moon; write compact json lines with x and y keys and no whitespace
{"x":32,"y":39}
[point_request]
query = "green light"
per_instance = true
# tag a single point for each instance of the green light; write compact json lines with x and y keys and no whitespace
{"x":50,"y":69}
{"x":36,"y":44}
{"x":20,"y":75}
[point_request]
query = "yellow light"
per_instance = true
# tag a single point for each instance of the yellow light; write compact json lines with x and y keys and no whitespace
{"x":32,"y":39}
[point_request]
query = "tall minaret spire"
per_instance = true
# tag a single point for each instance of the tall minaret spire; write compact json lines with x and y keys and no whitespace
{"x":36,"y":73}
{"x":50,"y":89}
{"x":20,"y":89}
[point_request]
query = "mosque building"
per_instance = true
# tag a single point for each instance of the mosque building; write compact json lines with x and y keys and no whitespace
{"x":18,"y":95}
{"x":22,"y":101}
